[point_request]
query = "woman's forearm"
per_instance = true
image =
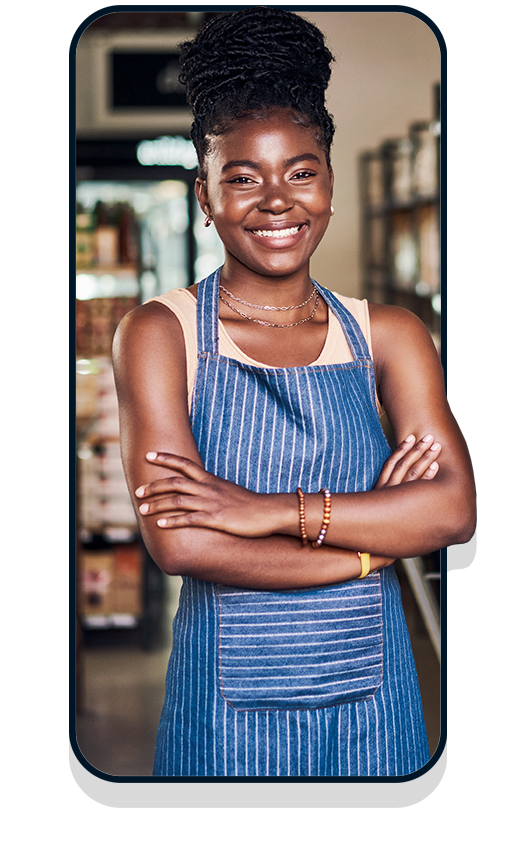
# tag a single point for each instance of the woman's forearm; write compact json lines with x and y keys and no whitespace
{"x":398,"y":521}
{"x":267,"y":563}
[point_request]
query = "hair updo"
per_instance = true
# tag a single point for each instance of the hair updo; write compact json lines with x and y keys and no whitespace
{"x":251,"y":60}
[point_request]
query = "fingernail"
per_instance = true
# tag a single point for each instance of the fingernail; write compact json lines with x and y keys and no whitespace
{"x":433,"y":466}
{"x":140,"y":492}
{"x":162,"y":522}
{"x":144,"y":507}
{"x":427,"y":438}
{"x":435,"y":446}
{"x":151,"y":456}
{"x":409,"y":439}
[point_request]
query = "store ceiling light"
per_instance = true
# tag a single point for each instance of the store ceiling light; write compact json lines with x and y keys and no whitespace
{"x":167,"y":152}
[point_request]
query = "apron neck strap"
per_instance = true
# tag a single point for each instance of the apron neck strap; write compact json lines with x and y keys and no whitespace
{"x":208,"y":314}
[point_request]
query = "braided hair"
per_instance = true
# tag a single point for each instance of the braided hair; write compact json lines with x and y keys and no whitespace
{"x":245,"y":62}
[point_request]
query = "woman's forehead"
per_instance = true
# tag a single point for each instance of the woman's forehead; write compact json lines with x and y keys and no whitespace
{"x":276,"y":133}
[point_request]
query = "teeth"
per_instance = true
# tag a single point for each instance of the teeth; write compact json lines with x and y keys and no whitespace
{"x":276,"y":233}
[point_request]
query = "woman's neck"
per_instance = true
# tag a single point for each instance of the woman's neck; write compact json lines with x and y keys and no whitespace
{"x":263,"y":289}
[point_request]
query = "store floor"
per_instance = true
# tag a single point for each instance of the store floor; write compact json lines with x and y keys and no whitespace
{"x":122,"y":688}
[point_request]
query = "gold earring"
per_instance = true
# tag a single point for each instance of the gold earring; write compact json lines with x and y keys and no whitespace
{"x":208,"y":221}
{"x":332,"y":210}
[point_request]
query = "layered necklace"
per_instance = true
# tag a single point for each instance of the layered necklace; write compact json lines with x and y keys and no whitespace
{"x":268,"y":307}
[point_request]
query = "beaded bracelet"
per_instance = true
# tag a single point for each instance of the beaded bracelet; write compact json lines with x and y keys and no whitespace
{"x":326,"y":517}
{"x":365,"y":560}
{"x":302,"y":519}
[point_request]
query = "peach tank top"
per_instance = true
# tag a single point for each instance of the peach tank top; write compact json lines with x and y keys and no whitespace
{"x":335,"y":350}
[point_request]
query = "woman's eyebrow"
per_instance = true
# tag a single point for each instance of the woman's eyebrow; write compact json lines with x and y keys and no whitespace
{"x":241,"y":163}
{"x":307,"y":156}
{"x":255,"y":165}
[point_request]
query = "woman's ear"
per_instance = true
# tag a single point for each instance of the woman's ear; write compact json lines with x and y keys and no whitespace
{"x":201,"y":194}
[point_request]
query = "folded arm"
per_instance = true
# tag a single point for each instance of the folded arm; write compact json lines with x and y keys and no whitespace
{"x":150,"y":372}
{"x":217,"y":530}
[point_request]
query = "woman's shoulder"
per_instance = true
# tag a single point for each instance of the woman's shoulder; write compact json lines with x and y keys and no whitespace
{"x":156,"y":324}
{"x":390,"y":319}
{"x":397,"y":332}
{"x":160,"y":313}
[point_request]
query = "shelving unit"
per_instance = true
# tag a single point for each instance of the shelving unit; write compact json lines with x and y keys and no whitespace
{"x":117,"y":583}
{"x":400,"y":222}
{"x":139,"y":234}
{"x":400,"y":198}
{"x":401,"y":265}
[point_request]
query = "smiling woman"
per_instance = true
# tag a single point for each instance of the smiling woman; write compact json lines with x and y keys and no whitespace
{"x":254,"y":452}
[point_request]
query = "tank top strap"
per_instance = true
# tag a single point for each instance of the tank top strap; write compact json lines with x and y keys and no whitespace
{"x":208,"y":314}
{"x":352,"y":330}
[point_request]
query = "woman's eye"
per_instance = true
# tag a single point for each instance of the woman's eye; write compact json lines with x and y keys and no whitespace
{"x":304,"y":174}
{"x":240,"y":180}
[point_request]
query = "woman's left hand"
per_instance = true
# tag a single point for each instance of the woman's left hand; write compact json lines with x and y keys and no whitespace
{"x":196,"y":498}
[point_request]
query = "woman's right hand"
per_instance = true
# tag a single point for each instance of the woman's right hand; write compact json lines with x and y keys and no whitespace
{"x":412,"y":460}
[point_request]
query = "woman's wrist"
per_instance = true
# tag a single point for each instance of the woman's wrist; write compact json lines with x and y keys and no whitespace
{"x":292,"y":515}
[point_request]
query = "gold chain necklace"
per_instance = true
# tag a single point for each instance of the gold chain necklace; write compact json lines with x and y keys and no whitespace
{"x":266,"y":306}
{"x":271,"y":324}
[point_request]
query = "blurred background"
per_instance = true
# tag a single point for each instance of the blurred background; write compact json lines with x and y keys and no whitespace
{"x":139,"y":233}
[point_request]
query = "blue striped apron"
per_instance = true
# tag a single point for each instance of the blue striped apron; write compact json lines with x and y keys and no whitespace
{"x":318,"y":682}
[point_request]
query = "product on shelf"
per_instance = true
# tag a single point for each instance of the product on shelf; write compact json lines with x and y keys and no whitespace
{"x":111,"y":582}
{"x":85,"y":246}
{"x":107,"y":237}
{"x":96,"y":323}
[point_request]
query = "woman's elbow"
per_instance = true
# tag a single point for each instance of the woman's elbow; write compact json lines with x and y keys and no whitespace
{"x":171,"y":553}
{"x":463,"y":519}
{"x":179,"y":552}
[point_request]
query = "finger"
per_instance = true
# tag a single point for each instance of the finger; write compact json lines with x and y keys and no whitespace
{"x":409,"y":467}
{"x":165,"y":486}
{"x":422,"y":465}
{"x":431,"y":471}
{"x":177,"y":463}
{"x":188,"y":519}
{"x":390,"y":463}
{"x":172,"y":502}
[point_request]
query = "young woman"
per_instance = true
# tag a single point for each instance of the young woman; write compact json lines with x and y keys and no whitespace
{"x":254,"y":453}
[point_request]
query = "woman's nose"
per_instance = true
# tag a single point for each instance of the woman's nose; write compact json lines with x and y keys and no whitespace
{"x":276,"y":198}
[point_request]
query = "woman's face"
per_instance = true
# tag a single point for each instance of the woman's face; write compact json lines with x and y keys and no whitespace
{"x":268,"y":190}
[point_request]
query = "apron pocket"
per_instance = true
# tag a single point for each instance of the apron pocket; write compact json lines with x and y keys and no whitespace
{"x":301,"y":649}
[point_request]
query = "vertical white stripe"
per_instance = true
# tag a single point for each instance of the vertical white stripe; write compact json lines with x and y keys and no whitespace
{"x":299,"y":743}
{"x":267,"y":744}
{"x":251,"y":434}
{"x":215,"y":382}
{"x":309,"y":742}
{"x":278,"y":771}
{"x":339,"y":741}
{"x":303,"y":427}
{"x":349,"y":740}
{"x":228,"y":451}
{"x":289,"y":756}
{"x":314,"y":435}
{"x":217,"y":469}
{"x":324,"y":460}
{"x":260,"y":456}
{"x":225,"y":739}
{"x":246,"y":744}
{"x":241,"y":430}
{"x":273,"y":448}
{"x":290,"y":486}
